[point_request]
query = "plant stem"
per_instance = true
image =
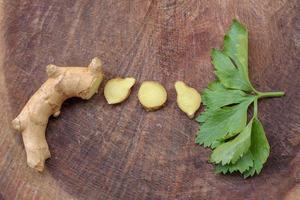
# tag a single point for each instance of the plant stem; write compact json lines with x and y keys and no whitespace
{"x":269,"y":94}
{"x":255,"y":108}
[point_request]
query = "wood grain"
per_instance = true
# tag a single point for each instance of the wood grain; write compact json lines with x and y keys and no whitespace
{"x":122,"y":152}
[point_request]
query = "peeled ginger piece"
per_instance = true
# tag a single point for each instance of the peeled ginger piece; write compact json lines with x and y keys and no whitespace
{"x":188,"y":98}
{"x":118,"y":89}
{"x":152,"y":95}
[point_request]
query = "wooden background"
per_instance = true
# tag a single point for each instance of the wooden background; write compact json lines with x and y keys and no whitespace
{"x":122,"y":152}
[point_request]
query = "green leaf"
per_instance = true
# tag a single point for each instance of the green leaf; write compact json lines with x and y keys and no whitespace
{"x":236,"y":46}
{"x":216,"y":85}
{"x":213,"y":86}
{"x":252,"y":161}
{"x":204,"y":115}
{"x":216,"y":124}
{"x":232,"y":151}
{"x":243,"y":164}
{"x":260,"y":148}
{"x":214,"y":99}
{"x":216,"y":143}
{"x":228,"y":74}
{"x":237,"y":147}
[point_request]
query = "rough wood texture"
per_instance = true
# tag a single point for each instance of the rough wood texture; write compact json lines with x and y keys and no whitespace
{"x":122,"y":152}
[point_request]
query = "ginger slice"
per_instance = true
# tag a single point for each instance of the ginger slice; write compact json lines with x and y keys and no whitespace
{"x":118,"y":89}
{"x":152,"y":95}
{"x":188,"y":98}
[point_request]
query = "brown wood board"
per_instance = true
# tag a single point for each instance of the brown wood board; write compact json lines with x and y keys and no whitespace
{"x":101,"y":151}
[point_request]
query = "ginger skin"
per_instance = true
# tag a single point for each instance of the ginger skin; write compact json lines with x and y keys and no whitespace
{"x":62,"y":83}
{"x":188,"y":98}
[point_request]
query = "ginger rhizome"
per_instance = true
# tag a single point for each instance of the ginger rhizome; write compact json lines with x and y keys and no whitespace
{"x":118,"y":89}
{"x":152,"y":95}
{"x":62,"y":83}
{"x":188,"y":98}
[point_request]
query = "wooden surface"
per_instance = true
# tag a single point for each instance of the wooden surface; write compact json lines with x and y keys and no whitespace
{"x":122,"y":152}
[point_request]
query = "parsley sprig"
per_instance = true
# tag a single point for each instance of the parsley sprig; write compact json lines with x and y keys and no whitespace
{"x":239,"y":145}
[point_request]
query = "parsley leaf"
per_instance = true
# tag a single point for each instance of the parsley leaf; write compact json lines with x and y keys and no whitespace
{"x":260,"y":148}
{"x":221,"y":122}
{"x":218,"y":98}
{"x":229,"y":75}
{"x":236,"y":45}
{"x":252,"y":161}
{"x":237,"y":147}
{"x":242,"y":165}
{"x":230,"y":152}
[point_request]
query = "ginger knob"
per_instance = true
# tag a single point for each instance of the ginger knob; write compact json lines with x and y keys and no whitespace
{"x":62,"y":83}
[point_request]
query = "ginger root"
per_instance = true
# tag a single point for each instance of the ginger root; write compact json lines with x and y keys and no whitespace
{"x":152,"y":95}
{"x":188,"y":98}
{"x":62,"y":83}
{"x":118,"y":89}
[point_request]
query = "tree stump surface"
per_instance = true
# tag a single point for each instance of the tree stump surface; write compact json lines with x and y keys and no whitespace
{"x":100,"y":151}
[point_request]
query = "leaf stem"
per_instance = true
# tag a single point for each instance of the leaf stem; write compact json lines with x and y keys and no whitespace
{"x":269,"y":94}
{"x":255,"y":108}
